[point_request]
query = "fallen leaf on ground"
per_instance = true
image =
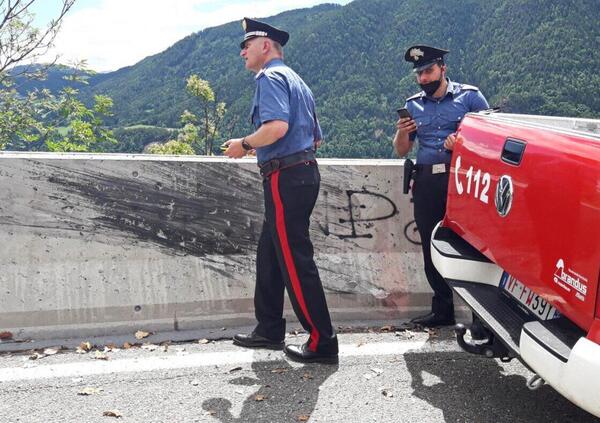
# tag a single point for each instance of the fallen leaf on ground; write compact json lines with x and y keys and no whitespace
{"x":140,"y":334}
{"x":307,"y":376}
{"x":36,"y":356}
{"x":279,"y":370}
{"x":127,"y":346}
{"x":260,"y":398}
{"x":89,"y":391}
{"x":386,"y":328}
{"x":84,"y":347}
{"x":6,"y":335}
{"x":110,"y":348}
{"x":203,"y":341}
{"x":113,"y":413}
{"x":100,"y":356}
{"x":50,"y":351}
{"x":303,"y":418}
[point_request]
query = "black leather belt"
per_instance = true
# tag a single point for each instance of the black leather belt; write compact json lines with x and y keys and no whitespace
{"x":271,"y":166}
{"x":432,"y":169}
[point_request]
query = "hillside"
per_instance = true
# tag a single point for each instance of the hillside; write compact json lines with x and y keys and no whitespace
{"x":528,"y":56}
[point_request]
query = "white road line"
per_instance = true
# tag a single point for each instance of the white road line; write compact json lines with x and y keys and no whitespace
{"x":147,"y":364}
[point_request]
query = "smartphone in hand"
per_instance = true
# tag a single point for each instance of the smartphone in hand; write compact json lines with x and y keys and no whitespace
{"x":404,"y":113}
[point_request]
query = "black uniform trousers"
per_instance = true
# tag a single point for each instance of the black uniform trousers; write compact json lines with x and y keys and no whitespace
{"x":429,"y":196}
{"x":285,"y":259}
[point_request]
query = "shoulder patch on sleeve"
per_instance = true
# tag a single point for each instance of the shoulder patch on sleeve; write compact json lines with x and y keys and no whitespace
{"x":416,"y":96}
{"x":468,"y":87}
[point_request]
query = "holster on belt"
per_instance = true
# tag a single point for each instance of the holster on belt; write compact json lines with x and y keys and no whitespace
{"x":409,"y":169}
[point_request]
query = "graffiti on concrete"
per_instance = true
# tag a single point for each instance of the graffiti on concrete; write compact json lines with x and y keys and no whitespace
{"x":412,"y":233}
{"x":354,"y":216}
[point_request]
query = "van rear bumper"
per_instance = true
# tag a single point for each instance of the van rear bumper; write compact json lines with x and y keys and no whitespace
{"x":556,"y":350}
{"x":577,"y":379}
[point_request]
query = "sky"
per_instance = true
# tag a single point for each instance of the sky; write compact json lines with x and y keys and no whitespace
{"x":110,"y":34}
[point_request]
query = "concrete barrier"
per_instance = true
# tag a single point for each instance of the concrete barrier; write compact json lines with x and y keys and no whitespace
{"x":96,"y":245}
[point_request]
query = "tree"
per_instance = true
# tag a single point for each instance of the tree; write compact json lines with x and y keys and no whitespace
{"x":83,"y":128}
{"x":212,"y":112}
{"x":197,"y":135}
{"x":187,"y":141}
{"x":20,"y":40}
{"x":41,"y":120}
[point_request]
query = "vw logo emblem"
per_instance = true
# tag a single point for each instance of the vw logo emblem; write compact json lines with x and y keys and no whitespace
{"x":504,"y":195}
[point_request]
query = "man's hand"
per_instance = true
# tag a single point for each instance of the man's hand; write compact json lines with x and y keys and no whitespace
{"x":234,"y":148}
{"x":452,"y":140}
{"x":405,"y":126}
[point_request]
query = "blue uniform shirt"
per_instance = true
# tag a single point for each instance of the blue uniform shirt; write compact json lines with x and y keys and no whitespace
{"x":282,"y":95}
{"x":438,"y":118}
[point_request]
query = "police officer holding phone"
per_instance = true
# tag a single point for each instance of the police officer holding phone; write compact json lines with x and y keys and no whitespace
{"x":432,"y":116}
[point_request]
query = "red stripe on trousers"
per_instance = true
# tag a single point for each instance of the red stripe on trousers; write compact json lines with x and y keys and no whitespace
{"x":289,"y":260}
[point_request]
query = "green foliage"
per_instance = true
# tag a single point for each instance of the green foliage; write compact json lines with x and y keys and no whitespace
{"x":528,"y":56}
{"x":201,"y":133}
{"x":134,"y":139}
{"x":43,"y":121}
{"x":18,"y":123}
{"x":198,"y":134}
{"x":200,"y":88}
{"x":171,"y":147}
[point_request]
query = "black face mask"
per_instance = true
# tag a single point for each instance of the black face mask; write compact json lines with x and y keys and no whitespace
{"x":431,"y":87}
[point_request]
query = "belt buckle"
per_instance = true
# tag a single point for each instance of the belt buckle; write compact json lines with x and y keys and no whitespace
{"x":438,"y":168}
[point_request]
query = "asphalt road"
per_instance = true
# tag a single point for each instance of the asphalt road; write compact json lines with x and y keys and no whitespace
{"x":382,"y":377}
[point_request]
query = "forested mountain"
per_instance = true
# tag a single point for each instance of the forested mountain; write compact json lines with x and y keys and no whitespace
{"x":528,"y":56}
{"x":54,"y":78}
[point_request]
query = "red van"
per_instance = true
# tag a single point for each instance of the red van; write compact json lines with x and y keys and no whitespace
{"x":520,"y":244}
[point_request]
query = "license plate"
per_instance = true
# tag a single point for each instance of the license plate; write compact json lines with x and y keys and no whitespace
{"x":528,"y":299}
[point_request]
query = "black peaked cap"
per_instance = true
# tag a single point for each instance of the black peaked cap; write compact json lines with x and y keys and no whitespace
{"x":254,"y":29}
{"x":423,"y":57}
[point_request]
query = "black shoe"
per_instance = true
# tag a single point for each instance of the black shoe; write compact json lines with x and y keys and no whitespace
{"x":302,"y":354}
{"x":432,"y":320}
{"x":256,"y":341}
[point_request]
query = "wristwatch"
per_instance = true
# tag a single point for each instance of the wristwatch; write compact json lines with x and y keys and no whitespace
{"x":245,"y":145}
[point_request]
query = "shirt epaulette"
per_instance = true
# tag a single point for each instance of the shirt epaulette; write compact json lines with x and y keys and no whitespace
{"x":416,"y":96}
{"x":468,"y":87}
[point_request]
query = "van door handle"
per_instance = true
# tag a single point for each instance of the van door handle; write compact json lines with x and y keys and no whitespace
{"x":513,"y":151}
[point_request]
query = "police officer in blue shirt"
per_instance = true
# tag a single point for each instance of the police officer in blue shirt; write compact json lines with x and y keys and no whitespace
{"x":435,"y":114}
{"x":286,"y":133}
